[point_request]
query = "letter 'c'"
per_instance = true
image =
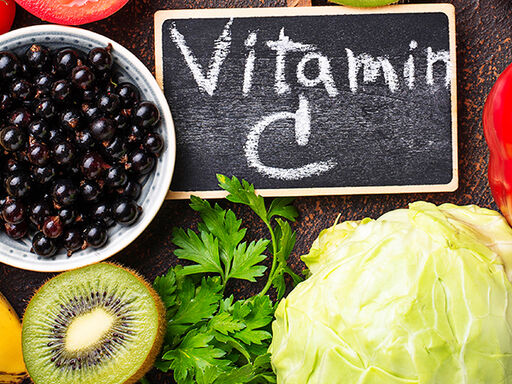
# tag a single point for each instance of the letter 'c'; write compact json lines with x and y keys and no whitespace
{"x":302,"y":119}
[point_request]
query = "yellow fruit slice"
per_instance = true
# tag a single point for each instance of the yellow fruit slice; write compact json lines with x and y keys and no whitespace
{"x":12,"y":367}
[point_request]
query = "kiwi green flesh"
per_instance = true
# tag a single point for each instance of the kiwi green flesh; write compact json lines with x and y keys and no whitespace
{"x":126,"y":329}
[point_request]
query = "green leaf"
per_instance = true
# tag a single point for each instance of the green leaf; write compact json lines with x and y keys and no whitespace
{"x":221,"y":223}
{"x":256,"y":313}
{"x":285,"y":239}
{"x":230,"y":342}
{"x":244,"y":193}
{"x":282,"y":207}
{"x":279,"y":283}
{"x":195,"y":304}
{"x":207,"y":376}
{"x":245,"y":259}
{"x":224,"y":323}
{"x":203,"y":250}
{"x":211,"y":339}
{"x":250,"y":372}
{"x":166,"y":287}
{"x":194,"y":356}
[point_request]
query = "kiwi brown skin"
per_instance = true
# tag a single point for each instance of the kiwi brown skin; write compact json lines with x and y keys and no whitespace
{"x":157,"y":345}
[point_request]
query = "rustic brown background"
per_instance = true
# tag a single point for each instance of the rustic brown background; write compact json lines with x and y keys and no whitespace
{"x":484,"y":37}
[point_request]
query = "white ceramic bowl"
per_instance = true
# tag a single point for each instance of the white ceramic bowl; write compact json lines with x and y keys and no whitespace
{"x":17,"y":253}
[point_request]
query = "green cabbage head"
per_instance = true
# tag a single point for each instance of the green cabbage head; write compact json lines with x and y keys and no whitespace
{"x":419,"y":295}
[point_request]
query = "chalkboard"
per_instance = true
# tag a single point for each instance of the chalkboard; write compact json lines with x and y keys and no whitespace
{"x":311,"y":101}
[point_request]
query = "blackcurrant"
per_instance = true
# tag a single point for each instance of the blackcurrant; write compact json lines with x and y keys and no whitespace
{"x":52,"y":227}
{"x":153,"y":143}
{"x":90,"y":111}
{"x":22,"y":90}
{"x":103,"y":128}
{"x":38,"y":212}
{"x":37,"y":57}
{"x":13,"y":211}
{"x":65,"y":60}
{"x":145,"y":114}
{"x":12,"y":138}
{"x":43,"y":175}
{"x":92,"y":165}
{"x":100,"y":59}
{"x":125,"y":211}
{"x":95,"y":234}
{"x":18,"y":184}
{"x":9,"y":65}
{"x":63,"y":153}
{"x":67,"y":215}
{"x":16,"y":231}
{"x":45,"y":108}
{"x":132,"y":190}
{"x":102,"y":212}
{"x":84,"y":140}
{"x":141,"y":162}
{"x":82,"y":77}
{"x":90,"y":191}
{"x":43,"y":82}
{"x":20,"y":118}
{"x":38,"y":154}
{"x":128,"y":94}
{"x":39,"y":130}
{"x":116,"y":177}
{"x":71,"y":119}
{"x":72,"y":240}
{"x":116,"y":148}
{"x":61,"y":91}
{"x":64,"y":192}
{"x":43,"y":246}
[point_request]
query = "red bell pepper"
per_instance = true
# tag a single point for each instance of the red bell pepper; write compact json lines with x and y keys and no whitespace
{"x":497,"y":121}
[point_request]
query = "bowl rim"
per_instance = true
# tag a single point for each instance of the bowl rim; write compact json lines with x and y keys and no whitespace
{"x":166,"y":174}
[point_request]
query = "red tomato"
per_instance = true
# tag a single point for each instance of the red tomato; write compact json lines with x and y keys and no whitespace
{"x":7,"y":11}
{"x":72,"y":12}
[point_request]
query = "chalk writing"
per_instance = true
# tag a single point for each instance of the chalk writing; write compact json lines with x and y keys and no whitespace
{"x":221,"y":46}
{"x":362,"y":67}
{"x":302,"y":118}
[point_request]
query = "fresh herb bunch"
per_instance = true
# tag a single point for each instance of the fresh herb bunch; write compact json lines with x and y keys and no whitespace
{"x":212,"y":338}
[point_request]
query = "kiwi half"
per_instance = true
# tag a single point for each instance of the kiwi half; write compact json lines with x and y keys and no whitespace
{"x":102,"y":324}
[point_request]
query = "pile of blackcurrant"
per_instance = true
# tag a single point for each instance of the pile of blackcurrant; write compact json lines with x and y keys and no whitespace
{"x":76,"y":145}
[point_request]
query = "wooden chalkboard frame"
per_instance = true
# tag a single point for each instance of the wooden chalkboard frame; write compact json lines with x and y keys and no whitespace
{"x":447,"y":9}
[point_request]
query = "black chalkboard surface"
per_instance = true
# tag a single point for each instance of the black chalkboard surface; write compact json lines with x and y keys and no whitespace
{"x":309,"y":101}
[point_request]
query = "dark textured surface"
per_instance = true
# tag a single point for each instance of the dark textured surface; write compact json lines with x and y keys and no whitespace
{"x":484,"y":50}
{"x":407,"y":131}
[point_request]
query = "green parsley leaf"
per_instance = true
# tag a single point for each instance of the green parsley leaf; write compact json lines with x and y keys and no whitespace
{"x":224,"y":323}
{"x":221,"y":223}
{"x":194,"y":355}
{"x":256,"y":313}
{"x":166,"y":287}
{"x":249,"y":373}
{"x":195,"y":304}
{"x":244,"y":193}
{"x":285,"y":239}
{"x":213,"y":339}
{"x":282,"y":207}
{"x":203,"y":250}
{"x":245,"y":261}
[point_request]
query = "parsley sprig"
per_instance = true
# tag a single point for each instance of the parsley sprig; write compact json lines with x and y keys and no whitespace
{"x":211,"y":338}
